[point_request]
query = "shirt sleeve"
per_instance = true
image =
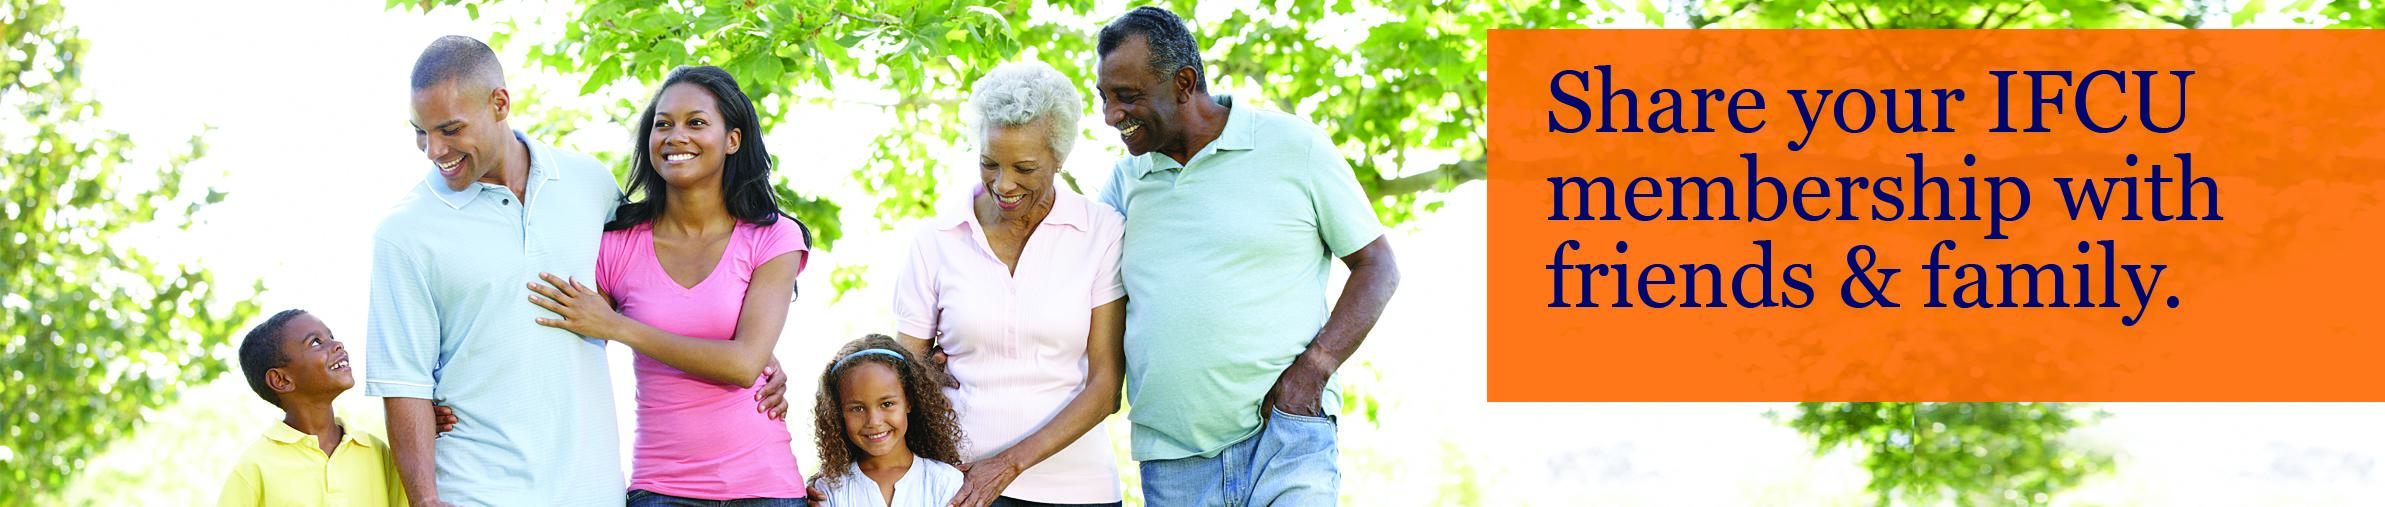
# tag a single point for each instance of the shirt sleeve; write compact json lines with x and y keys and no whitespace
{"x":779,"y":238}
{"x":611,"y":208}
{"x":915,"y":305}
{"x":1346,"y":221}
{"x":611,"y":252}
{"x":401,"y":327}
{"x":1114,"y":194}
{"x":1109,"y":237}
{"x":243,"y":489}
{"x":612,"y":193}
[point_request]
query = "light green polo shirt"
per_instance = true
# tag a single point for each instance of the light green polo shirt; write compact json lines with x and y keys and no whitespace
{"x":1225,"y":263}
{"x":450,"y":320}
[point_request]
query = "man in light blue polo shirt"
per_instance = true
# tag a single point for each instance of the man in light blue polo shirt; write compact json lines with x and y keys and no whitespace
{"x":1233,"y":218}
{"x":450,"y":317}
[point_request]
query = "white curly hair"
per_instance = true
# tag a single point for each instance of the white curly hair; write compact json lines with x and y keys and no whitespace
{"x":1028,"y":92}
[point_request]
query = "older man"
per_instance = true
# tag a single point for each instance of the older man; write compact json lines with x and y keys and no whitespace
{"x":1233,"y":216}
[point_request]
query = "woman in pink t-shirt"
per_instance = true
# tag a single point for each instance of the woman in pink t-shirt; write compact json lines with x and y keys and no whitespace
{"x":1019,"y":287}
{"x":699,"y":271}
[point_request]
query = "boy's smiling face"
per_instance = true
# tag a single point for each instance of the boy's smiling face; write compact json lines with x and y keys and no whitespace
{"x":318,"y":364}
{"x":875,"y":411}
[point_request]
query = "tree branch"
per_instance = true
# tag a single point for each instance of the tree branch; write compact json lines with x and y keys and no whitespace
{"x":846,"y":15}
{"x":1850,"y":20}
{"x":1455,"y":174}
{"x":2189,"y":20}
{"x":1983,"y":18}
{"x":2009,"y":15}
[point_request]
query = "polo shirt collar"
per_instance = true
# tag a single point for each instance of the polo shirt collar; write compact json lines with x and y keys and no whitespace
{"x":1068,"y":209}
{"x":1236,"y":136}
{"x":540,"y":154}
{"x":282,"y":432}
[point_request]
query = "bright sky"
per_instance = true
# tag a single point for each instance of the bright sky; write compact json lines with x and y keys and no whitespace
{"x":307,"y":100}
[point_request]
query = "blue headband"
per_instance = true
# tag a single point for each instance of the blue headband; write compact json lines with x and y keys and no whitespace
{"x":840,"y":363}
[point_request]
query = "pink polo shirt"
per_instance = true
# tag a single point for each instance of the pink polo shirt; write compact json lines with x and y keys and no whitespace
{"x":697,"y":438}
{"x":1017,"y":343}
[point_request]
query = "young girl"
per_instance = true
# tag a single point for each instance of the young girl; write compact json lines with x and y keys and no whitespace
{"x":887,"y":435}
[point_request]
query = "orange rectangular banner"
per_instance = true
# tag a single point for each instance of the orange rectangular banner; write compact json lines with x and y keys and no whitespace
{"x":1936,"y":215}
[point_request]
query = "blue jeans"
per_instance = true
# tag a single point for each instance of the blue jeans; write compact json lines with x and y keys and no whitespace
{"x":644,"y":498}
{"x":1290,"y":462}
{"x":1014,"y":502}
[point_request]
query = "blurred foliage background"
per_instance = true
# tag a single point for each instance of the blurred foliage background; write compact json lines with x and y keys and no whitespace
{"x":93,"y":334}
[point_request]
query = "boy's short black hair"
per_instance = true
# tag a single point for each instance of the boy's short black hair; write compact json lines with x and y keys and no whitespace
{"x":262,"y":350}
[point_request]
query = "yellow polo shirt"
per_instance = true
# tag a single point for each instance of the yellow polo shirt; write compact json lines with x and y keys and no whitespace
{"x":289,"y":468}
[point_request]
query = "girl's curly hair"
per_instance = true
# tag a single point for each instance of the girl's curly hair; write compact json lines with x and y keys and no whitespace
{"x":933,"y":431}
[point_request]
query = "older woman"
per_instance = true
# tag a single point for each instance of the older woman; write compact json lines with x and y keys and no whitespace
{"x":1020,"y":290}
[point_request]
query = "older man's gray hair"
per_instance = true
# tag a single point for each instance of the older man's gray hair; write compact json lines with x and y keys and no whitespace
{"x":1030,"y":92}
{"x":1172,"y":46}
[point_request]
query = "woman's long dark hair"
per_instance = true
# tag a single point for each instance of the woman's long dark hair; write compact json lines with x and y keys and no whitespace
{"x":745,"y":175}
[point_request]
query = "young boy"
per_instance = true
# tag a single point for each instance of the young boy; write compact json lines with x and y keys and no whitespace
{"x":310,"y":458}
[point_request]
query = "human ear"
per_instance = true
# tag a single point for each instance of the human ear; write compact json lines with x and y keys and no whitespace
{"x":1186,"y":82}
{"x":280,"y":381}
{"x":500,"y":103}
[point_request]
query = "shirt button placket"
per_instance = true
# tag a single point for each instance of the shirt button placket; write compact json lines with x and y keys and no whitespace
{"x":331,"y":495}
{"x":1010,"y":318}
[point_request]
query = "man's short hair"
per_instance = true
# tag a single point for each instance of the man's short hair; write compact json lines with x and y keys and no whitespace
{"x":1172,"y":46}
{"x":456,"y":57}
{"x":261,"y":350}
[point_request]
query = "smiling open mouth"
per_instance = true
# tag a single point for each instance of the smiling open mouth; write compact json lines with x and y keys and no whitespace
{"x":679,"y":157}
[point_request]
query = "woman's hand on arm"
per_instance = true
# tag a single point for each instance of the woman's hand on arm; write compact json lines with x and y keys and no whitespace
{"x":582,"y":310}
{"x":771,"y":400}
{"x":737,"y":361}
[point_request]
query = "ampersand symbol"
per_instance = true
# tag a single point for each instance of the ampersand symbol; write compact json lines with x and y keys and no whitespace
{"x":1879,"y":291}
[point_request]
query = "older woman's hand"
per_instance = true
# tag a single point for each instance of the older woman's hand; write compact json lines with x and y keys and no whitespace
{"x":983,"y":481}
{"x":583,"y":310}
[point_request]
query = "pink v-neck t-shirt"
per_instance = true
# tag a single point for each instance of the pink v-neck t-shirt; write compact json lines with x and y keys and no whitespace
{"x":697,"y":438}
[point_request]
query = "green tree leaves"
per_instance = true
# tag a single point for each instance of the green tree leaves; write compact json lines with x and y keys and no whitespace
{"x":1419,"y":68}
{"x":1959,"y":453}
{"x":92,"y":333}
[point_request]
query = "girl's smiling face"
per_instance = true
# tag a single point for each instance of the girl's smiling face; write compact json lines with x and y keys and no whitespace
{"x":870,"y":396}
